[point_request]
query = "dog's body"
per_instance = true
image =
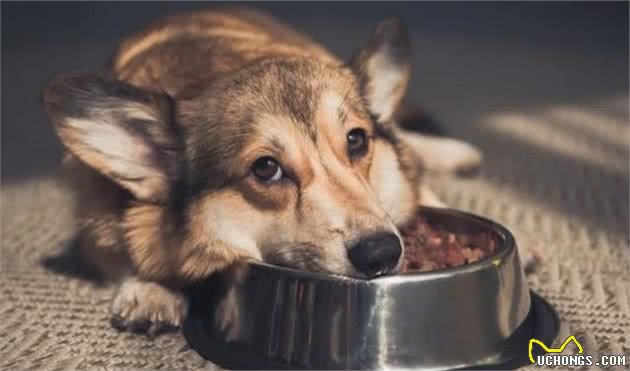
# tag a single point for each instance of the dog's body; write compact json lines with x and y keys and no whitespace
{"x":225,"y":135}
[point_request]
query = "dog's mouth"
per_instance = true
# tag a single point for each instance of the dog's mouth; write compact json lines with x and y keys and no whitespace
{"x":303,"y":256}
{"x":310,"y":257}
{"x":307,"y":257}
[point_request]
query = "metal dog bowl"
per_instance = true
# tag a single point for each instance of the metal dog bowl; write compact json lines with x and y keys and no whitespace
{"x":478,"y":315}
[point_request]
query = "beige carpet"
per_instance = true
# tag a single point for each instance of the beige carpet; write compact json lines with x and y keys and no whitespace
{"x":556,"y":176}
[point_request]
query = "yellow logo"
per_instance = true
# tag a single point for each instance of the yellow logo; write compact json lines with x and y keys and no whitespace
{"x":553,"y":350}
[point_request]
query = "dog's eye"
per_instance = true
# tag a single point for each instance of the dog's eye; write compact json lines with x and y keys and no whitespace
{"x":357,"y":143}
{"x":267,"y":169}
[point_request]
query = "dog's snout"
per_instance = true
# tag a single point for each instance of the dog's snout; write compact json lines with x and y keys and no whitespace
{"x":376,"y":254}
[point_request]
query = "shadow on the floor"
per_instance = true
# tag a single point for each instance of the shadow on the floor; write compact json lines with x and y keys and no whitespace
{"x":546,"y":172}
{"x":69,"y":262}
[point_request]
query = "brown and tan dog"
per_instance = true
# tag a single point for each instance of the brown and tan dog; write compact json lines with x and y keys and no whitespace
{"x":225,"y":135}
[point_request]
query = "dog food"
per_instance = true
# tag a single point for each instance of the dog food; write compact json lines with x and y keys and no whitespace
{"x":429,"y":248}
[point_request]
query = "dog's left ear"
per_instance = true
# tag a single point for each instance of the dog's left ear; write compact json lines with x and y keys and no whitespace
{"x":383,"y":68}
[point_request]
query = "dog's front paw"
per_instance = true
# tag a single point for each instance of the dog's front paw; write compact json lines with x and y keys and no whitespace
{"x":147,"y":307}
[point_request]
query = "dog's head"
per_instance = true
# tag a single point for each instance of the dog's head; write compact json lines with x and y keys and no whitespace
{"x":291,"y":161}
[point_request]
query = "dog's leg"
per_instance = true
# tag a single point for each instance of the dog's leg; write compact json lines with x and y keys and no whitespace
{"x":429,"y":198}
{"x":443,"y":154}
{"x":147,"y":307}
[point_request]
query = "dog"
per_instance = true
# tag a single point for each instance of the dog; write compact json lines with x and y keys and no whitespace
{"x":224,"y":135}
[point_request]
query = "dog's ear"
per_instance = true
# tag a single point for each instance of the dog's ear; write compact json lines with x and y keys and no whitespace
{"x":122,"y":131}
{"x":383,"y":68}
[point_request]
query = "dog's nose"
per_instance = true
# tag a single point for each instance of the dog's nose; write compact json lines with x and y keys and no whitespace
{"x":376,"y":254}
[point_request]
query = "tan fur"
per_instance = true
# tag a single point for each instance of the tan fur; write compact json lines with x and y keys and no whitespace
{"x":161,"y":253}
{"x":249,"y":34}
{"x":228,"y":23}
{"x":397,"y":195}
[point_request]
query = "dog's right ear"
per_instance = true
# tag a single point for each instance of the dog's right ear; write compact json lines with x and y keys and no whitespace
{"x":121,"y":131}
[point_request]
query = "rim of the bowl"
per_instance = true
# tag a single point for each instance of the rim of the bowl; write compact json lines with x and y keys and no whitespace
{"x":505,"y":247}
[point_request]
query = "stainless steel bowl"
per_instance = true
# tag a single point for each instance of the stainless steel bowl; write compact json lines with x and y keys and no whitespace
{"x":263,"y":316}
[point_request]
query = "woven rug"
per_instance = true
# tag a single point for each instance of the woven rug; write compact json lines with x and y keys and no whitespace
{"x":556,"y":176}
